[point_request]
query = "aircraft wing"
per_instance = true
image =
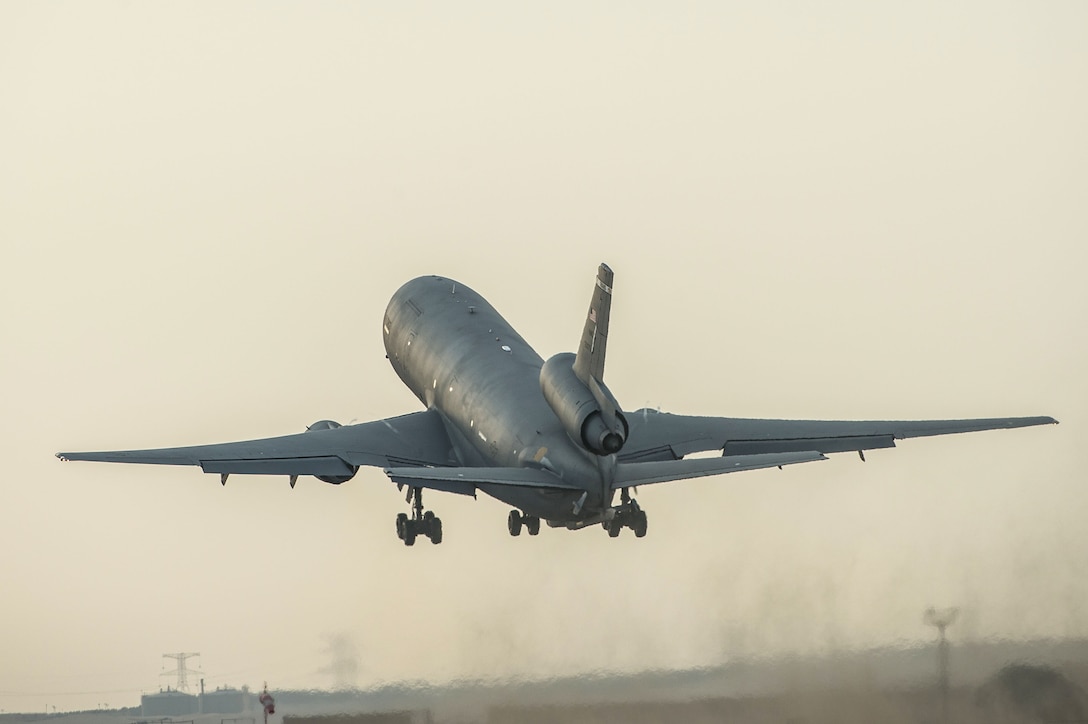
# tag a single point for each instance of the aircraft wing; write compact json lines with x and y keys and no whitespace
{"x":663,"y":436}
{"x":417,"y":439}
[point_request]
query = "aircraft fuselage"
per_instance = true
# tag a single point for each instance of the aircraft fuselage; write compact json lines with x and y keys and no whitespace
{"x":458,"y":355}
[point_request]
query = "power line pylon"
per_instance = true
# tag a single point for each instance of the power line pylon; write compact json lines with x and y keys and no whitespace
{"x":182,"y":671}
{"x":942,"y":619}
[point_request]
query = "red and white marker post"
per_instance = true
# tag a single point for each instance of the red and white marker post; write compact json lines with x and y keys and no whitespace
{"x":267,"y":702}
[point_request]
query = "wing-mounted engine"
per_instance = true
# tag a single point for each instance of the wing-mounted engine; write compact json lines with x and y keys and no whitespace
{"x":589,"y":413}
{"x":333,"y":479}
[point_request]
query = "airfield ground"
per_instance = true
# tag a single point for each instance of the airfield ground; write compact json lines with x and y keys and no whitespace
{"x":992,"y":683}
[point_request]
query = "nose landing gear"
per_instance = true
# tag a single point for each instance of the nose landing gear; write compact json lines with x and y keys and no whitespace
{"x":422,"y":522}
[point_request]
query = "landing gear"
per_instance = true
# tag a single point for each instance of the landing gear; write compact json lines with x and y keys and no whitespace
{"x":433,"y":525}
{"x":515,"y":520}
{"x":628,"y":514}
{"x":421,"y":523}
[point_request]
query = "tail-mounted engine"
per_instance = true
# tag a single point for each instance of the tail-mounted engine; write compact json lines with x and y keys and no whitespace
{"x":334,"y":479}
{"x":589,"y":413}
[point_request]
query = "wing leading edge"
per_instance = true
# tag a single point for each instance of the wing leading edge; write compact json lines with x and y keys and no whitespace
{"x":663,"y":436}
{"x":417,"y":439}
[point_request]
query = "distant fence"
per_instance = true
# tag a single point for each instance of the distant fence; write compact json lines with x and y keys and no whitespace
{"x":390,"y":717}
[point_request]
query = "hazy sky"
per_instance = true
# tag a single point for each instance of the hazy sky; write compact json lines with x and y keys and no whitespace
{"x":857,"y":211}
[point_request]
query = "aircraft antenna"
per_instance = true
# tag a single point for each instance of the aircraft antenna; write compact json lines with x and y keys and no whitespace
{"x":182,"y":670}
{"x":942,"y":619}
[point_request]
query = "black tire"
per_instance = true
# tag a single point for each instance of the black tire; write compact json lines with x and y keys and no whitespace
{"x":410,"y":534}
{"x":639,"y":525}
{"x":513,"y":523}
{"x":532,"y":524}
{"x":436,"y":531}
{"x":402,"y":525}
{"x":614,"y":528}
{"x":428,"y":516}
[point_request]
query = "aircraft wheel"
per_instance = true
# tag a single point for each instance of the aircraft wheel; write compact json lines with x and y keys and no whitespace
{"x":435,"y":533}
{"x":614,"y":528}
{"x":639,"y":525}
{"x":410,"y":534}
{"x":513,"y":523}
{"x":532,"y":524}
{"x":402,"y":525}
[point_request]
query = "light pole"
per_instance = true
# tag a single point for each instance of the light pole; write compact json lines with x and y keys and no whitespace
{"x":942,"y":619}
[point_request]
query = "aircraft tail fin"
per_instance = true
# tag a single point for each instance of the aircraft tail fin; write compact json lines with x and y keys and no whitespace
{"x":589,"y":359}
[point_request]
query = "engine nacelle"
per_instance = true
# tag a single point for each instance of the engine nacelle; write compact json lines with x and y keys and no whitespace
{"x":334,"y":479}
{"x":579,"y":411}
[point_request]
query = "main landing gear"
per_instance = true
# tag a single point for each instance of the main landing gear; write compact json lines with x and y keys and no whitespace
{"x":515,"y":520}
{"x":421,"y":523}
{"x":628,"y":515}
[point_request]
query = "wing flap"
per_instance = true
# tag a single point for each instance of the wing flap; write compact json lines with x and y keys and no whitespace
{"x":328,"y":465}
{"x":848,"y":443}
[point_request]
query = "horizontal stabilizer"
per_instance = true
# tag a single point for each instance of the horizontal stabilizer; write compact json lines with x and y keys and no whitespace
{"x":465,"y":480}
{"x":631,"y":474}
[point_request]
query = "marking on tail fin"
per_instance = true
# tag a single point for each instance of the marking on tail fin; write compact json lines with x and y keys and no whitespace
{"x":589,"y":360}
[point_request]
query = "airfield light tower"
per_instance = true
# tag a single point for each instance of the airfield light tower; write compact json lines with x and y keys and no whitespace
{"x":942,"y":619}
{"x":182,"y":670}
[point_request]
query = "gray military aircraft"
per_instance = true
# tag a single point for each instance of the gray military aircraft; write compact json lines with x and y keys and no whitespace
{"x":546,"y":437}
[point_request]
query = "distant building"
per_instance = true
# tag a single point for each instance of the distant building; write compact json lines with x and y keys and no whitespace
{"x":224,"y":701}
{"x":168,"y":703}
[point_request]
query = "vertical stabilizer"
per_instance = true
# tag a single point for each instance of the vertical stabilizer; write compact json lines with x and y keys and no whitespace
{"x":589,"y":360}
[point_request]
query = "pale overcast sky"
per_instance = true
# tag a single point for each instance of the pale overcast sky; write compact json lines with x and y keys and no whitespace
{"x":842,"y":210}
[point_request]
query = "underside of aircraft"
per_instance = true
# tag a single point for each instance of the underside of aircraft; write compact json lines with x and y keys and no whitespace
{"x":546,"y":437}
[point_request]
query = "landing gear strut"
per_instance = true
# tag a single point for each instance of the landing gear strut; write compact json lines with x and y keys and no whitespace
{"x":515,"y":520}
{"x":628,"y":514}
{"x":421,"y":523}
